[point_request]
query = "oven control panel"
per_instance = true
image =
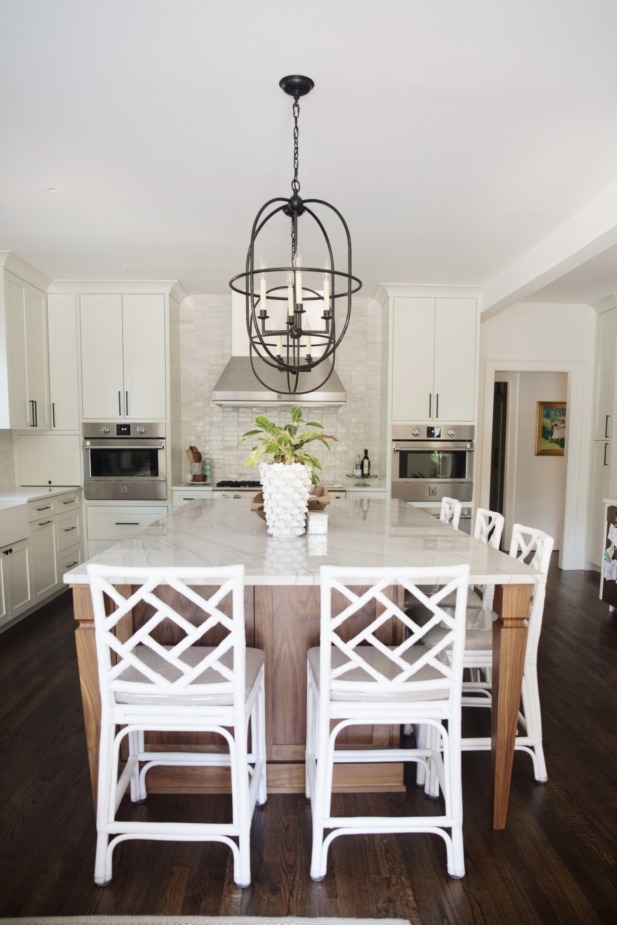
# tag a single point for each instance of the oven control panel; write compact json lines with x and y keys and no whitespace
{"x":124,"y":430}
{"x":432,"y":432}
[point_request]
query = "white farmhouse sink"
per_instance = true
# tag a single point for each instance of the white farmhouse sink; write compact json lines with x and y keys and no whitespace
{"x":13,"y":522}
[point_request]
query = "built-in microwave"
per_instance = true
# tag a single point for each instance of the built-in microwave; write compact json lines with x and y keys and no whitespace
{"x":124,"y":462}
{"x":430,"y":462}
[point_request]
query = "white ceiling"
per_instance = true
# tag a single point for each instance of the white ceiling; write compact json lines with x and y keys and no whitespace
{"x":454,"y":135}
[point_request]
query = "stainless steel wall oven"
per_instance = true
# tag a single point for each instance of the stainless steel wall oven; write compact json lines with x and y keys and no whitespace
{"x":124,"y":462}
{"x":432,"y":461}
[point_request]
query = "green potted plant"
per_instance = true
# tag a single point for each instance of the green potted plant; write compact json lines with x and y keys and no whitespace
{"x":286,"y":469}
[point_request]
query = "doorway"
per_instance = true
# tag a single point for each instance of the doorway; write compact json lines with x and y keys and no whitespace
{"x":499,"y":447}
{"x":526,"y":487}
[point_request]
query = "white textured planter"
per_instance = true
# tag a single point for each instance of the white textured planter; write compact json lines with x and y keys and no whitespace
{"x":286,"y":491}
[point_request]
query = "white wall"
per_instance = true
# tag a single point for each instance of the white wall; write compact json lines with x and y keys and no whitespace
{"x":535,"y":338}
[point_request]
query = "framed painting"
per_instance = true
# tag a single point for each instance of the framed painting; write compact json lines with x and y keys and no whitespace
{"x":551,"y":428}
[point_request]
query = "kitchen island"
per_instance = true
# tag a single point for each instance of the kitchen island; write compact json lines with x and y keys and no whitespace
{"x":282,"y":617}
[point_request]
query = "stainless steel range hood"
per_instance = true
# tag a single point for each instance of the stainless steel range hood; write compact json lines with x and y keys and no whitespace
{"x":238,"y":385}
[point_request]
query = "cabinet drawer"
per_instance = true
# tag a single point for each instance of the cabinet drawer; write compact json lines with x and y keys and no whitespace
{"x":68,"y":529}
{"x":118,"y":523}
{"x":186,"y":495}
{"x":68,"y":559}
{"x":68,"y":502}
{"x":42,"y":509}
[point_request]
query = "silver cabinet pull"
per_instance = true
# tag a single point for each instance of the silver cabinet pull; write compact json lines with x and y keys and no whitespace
{"x":430,"y":401}
{"x":437,"y":405}
{"x":606,"y":445}
{"x":120,"y":403}
{"x":607,"y":418}
{"x":126,"y":403}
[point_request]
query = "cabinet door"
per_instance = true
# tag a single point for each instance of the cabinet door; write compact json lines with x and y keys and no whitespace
{"x":455,"y":360}
{"x":44,"y":562}
{"x":16,"y":594}
{"x":600,"y":461}
{"x":606,"y":348}
{"x":37,"y":356}
{"x":63,"y":361}
{"x":49,"y":459}
{"x":102,"y":382}
{"x":413,"y":347}
{"x":143,"y":326}
{"x":27,"y":362}
{"x":20,"y":578}
{"x":4,"y":595}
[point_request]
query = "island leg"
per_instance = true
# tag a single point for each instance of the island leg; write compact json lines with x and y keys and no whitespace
{"x":509,"y":642}
{"x":88,"y":676}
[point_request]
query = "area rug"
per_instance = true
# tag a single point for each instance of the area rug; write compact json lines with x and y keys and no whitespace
{"x":191,"y":920}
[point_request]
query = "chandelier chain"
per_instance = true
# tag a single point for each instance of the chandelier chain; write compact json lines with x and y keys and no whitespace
{"x":295,"y":183}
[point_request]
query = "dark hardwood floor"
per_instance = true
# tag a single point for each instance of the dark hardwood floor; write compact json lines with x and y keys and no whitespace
{"x":555,"y":863}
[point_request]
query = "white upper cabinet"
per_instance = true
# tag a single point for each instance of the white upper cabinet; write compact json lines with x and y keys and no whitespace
{"x":63,"y":361}
{"x":606,"y":350}
{"x":24,"y":392}
{"x":123,"y":356}
{"x":433,"y":359}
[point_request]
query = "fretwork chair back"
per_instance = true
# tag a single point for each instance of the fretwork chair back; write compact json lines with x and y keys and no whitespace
{"x":172,"y":657}
{"x":533,"y":547}
{"x":450,"y":512}
{"x":356,"y":678}
{"x":488,"y":527}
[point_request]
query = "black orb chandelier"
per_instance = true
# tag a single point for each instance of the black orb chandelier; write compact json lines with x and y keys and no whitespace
{"x":297,"y":311}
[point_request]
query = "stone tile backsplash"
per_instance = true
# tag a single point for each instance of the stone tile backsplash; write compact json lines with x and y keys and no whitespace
{"x":203,"y":346}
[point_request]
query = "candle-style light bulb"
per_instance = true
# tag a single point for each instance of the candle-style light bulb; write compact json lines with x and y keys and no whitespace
{"x":326,"y":292}
{"x":298,"y":264}
{"x":291,"y":308}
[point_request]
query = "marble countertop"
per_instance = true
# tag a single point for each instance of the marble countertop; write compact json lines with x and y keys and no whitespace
{"x":18,"y":495}
{"x":360,"y":533}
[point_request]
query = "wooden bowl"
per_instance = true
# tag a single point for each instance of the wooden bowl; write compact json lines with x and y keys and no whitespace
{"x":319,"y":499}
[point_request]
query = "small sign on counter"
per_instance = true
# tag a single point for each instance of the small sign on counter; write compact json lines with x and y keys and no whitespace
{"x":317,"y":522}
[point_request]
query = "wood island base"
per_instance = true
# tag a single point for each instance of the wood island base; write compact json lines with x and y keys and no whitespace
{"x":284,"y":622}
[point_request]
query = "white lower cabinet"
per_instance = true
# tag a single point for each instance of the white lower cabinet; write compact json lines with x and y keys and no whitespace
{"x":16,"y":593}
{"x":55,"y":541}
{"x":32,"y":569}
{"x":107,"y":524}
{"x":43,"y":553}
{"x":181,"y":496}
